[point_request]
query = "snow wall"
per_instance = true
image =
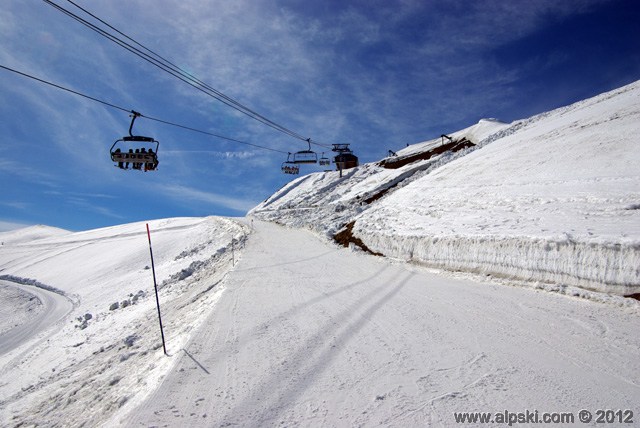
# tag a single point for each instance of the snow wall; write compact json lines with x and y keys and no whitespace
{"x":610,"y":268}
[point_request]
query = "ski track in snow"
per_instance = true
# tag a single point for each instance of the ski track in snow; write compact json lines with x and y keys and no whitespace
{"x":55,"y":308}
{"x":314,"y":335}
{"x":17,"y":308}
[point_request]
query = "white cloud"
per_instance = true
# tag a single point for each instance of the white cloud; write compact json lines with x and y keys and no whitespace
{"x":92,"y":207}
{"x":6,"y":226}
{"x":188,"y":194}
{"x":19,"y":170}
{"x":17,"y":205}
{"x":214,"y":153}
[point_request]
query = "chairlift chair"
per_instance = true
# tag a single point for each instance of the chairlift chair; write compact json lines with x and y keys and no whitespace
{"x":324,"y":161}
{"x":132,"y":149}
{"x":290,"y":167}
{"x":305,"y":156}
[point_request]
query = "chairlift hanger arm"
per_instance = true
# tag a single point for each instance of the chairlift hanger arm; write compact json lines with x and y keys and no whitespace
{"x":134,"y":115}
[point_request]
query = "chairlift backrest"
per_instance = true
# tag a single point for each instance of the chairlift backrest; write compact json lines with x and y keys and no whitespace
{"x":305,"y":156}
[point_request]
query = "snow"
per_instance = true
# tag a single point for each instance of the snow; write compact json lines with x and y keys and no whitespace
{"x":475,"y":133}
{"x":500,"y":290}
{"x":19,"y":306}
{"x":298,"y":332}
{"x":553,"y":199}
{"x":32,"y":310}
{"x":30,"y":233}
{"x":92,"y":355}
{"x":310,"y":334}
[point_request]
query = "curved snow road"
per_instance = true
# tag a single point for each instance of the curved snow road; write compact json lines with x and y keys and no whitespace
{"x":56,"y":307}
{"x":308,"y":334}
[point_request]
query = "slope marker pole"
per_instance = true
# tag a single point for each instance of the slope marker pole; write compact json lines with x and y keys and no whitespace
{"x":155,"y":286}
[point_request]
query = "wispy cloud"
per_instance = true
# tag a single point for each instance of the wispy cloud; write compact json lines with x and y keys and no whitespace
{"x":80,"y":195}
{"x":90,"y":206}
{"x":24,"y":171}
{"x":214,"y":153}
{"x":189,"y":195}
{"x":17,"y":205}
{"x":6,"y":226}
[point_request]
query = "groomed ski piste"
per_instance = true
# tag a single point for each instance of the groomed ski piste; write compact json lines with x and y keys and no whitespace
{"x":501,"y":288}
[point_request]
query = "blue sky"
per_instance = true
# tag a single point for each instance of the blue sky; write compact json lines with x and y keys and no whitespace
{"x":376,"y":74}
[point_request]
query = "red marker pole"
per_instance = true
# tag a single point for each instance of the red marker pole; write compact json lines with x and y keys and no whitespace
{"x":155,"y":285}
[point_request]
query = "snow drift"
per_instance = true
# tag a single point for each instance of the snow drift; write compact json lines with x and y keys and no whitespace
{"x":552,"y":198}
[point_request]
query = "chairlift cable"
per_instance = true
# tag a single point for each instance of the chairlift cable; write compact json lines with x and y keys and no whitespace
{"x":126,"y":46}
{"x":65,"y":89}
{"x":108,"y":104}
{"x":188,"y":128}
{"x":177,"y":68}
{"x":171,"y":68}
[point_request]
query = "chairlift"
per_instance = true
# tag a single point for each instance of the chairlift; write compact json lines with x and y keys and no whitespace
{"x":324,"y":161}
{"x":134,"y":150}
{"x":290,"y":167}
{"x":305,"y":156}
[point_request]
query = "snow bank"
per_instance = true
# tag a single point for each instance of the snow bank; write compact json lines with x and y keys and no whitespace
{"x":34,"y":283}
{"x":611,"y":268}
{"x":552,"y":198}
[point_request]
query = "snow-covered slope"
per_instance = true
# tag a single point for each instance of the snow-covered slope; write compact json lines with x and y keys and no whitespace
{"x":30,"y":233}
{"x":324,"y":202}
{"x":308,"y":334}
{"x":299,"y":333}
{"x":553,"y":198}
{"x":81,"y":340}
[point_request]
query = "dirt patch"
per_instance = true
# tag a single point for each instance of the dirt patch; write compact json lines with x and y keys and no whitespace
{"x":345,"y":237}
{"x":453,"y":146}
{"x":379,"y":194}
{"x":633,"y":296}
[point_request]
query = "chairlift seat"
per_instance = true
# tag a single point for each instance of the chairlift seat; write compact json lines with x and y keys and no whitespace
{"x":290,"y":168}
{"x":134,"y":157}
{"x":305,"y":156}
